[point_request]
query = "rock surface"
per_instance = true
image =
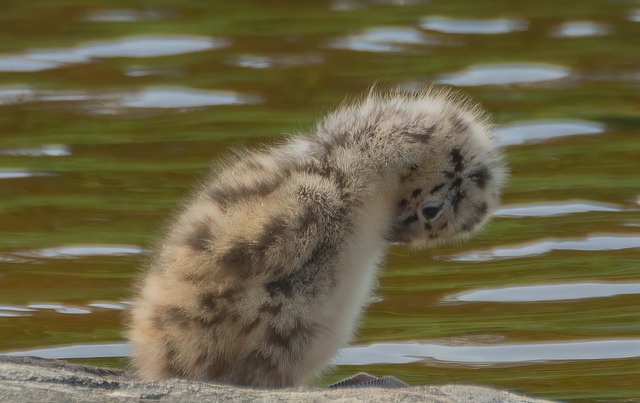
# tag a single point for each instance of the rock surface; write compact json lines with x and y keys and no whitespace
{"x":37,"y":379}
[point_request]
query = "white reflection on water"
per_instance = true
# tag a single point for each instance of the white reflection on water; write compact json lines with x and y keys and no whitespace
{"x":408,"y":352}
{"x":14,"y":311}
{"x":581,"y":28}
{"x":505,"y":73}
{"x":96,"y":350}
{"x":72,"y":251}
{"x":403,"y":353}
{"x":536,"y":130}
{"x":350,"y":5}
{"x":123,"y":15}
{"x":383,"y":39}
{"x":546,"y":292}
{"x":60,"y":308}
{"x":51,"y":150}
{"x":552,"y":209}
{"x":130,"y":46}
{"x":178,"y":97}
{"x":472,"y":26}
{"x":23,"y":63}
{"x":151,"y":46}
{"x":14,"y":94}
{"x":107,"y":305}
{"x":5,"y":314}
{"x":20,"y":173}
{"x":17,"y":310}
{"x":275,"y":61}
{"x":21,"y":94}
{"x":114,"y":102}
{"x":590,"y":243}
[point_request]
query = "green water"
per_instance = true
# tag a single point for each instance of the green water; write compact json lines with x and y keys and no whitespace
{"x":110,"y":110}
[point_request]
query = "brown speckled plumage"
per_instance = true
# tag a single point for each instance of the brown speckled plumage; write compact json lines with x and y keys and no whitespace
{"x":262,"y":276}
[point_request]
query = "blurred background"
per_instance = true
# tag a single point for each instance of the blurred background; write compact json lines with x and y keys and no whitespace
{"x":110,"y":110}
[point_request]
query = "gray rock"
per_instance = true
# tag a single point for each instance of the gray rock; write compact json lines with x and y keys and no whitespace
{"x":33,"y":379}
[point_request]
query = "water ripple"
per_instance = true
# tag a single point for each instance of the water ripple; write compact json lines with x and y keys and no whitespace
{"x":384,"y":39}
{"x":123,"y":15}
{"x":505,"y":73}
{"x":24,"y":64}
{"x":350,"y":5}
{"x":5,"y":314}
{"x":552,"y":209}
{"x":92,"y":350}
{"x":179,"y":97}
{"x":130,"y":46}
{"x":107,"y":305}
{"x":60,"y":308}
{"x":546,"y":292}
{"x":14,"y":94}
{"x":275,"y":61}
{"x":109,"y":102}
{"x":21,"y":94}
{"x":591,"y":243}
{"x":536,"y":130}
{"x":403,"y":353}
{"x":20,"y":173}
{"x":51,"y":150}
{"x":31,"y":309}
{"x":73,"y":251}
{"x":14,"y":311}
{"x":410,"y":352}
{"x":473,"y":26}
{"x":152,"y":46}
{"x":581,"y":28}
{"x":15,"y":308}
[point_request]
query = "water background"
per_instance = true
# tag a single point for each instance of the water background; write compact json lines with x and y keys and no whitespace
{"x":110,"y":110}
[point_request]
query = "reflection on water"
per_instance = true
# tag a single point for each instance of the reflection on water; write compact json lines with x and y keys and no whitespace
{"x":74,"y":251}
{"x":107,"y":305}
{"x":504,"y":73}
{"x":590,"y":243}
{"x":151,"y":46}
{"x":581,"y":28}
{"x":19,"y":173}
{"x":276,"y":61}
{"x":350,"y":5}
{"x":35,"y":308}
{"x":17,"y":95}
{"x":409,"y":352}
{"x":123,"y":15}
{"x":469,"y":26}
{"x":551,"y":209}
{"x":109,"y":102}
{"x":14,"y":311}
{"x":384,"y":39}
{"x":60,"y":308}
{"x":547,"y":292}
{"x":14,"y":95}
{"x":182,"y":98}
{"x":132,"y":46}
{"x":532,"y":131}
{"x":521,"y":353}
{"x":51,"y":150}
{"x":77,"y":351}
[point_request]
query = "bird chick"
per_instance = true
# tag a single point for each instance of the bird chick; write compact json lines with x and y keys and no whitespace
{"x":263,"y":274}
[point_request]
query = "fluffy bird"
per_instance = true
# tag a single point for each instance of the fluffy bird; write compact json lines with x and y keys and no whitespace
{"x":263,"y":274}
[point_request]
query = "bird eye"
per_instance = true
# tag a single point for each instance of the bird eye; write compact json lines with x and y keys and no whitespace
{"x":431,"y":212}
